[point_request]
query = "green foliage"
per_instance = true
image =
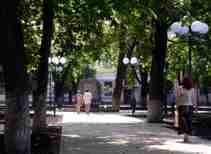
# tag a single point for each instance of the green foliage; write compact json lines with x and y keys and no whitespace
{"x":89,"y":31}
{"x":88,"y":72}
{"x":80,"y":35}
{"x":30,"y":14}
{"x":178,"y":47}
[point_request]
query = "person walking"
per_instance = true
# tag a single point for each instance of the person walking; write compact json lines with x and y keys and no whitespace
{"x":172,"y":102}
{"x":184,"y":103}
{"x":87,"y":97}
{"x":79,"y":101}
{"x":133,"y":102}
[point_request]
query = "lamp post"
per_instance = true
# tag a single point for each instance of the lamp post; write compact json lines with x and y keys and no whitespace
{"x":133,"y":61}
{"x":196,"y":27}
{"x":57,"y":64}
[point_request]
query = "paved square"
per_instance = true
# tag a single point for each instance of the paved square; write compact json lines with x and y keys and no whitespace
{"x":119,"y":133}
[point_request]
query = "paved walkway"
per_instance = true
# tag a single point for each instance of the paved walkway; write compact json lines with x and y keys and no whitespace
{"x":119,"y":133}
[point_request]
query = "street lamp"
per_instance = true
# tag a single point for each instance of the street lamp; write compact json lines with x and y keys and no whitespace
{"x":134,"y":62}
{"x":195,"y":27}
{"x":57,"y":64}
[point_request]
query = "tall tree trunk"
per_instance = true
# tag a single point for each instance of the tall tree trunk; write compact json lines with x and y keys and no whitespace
{"x":74,"y":87}
{"x":39,"y":120}
{"x":144,"y":87}
{"x":157,"y":79}
{"x":17,"y":128}
{"x":121,"y":70}
{"x":121,"y":74}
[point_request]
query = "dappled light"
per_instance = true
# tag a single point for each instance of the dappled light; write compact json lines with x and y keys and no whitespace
{"x":129,"y":138}
{"x":71,"y":135}
{"x":122,"y":133}
{"x":119,"y":142}
{"x":129,"y":141}
{"x":178,"y":145}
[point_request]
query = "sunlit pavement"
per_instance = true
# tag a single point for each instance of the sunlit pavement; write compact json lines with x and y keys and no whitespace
{"x":120,"y":133}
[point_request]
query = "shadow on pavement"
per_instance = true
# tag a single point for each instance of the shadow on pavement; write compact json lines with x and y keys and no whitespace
{"x":201,"y":125}
{"x":114,"y":139}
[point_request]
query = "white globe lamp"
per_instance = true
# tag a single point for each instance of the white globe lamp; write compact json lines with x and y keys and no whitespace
{"x":133,"y":60}
{"x":55,"y":60}
{"x":125,"y":60}
{"x":62,"y":60}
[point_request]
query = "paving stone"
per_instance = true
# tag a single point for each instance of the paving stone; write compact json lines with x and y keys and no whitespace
{"x":120,"y":133}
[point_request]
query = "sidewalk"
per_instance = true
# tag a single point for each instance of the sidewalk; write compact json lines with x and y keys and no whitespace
{"x":119,"y":133}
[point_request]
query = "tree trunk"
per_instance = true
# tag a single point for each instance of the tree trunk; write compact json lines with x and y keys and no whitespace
{"x":74,"y":87}
{"x":121,"y":70}
{"x":121,"y":74}
{"x":39,"y":120}
{"x":144,"y":88}
{"x":157,"y":79}
{"x":17,"y":128}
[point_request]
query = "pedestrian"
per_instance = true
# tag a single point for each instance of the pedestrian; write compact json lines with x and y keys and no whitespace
{"x":184,"y":104}
{"x":176,"y":114}
{"x":87,"y":97}
{"x":133,"y":102}
{"x":172,"y":102}
{"x":79,"y":101}
{"x":59,"y":94}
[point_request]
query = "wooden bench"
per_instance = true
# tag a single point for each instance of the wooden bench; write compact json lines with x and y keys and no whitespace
{"x":48,"y":139}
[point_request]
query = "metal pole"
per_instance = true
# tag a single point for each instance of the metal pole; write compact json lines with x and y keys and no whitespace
{"x":54,"y":109}
{"x":52,"y":102}
{"x":189,"y":57}
{"x":52,"y":91}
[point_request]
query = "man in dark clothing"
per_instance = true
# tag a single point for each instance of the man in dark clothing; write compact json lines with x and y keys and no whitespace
{"x":133,"y":102}
{"x":59,"y":96}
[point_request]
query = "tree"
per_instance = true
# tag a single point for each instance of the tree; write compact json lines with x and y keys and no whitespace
{"x":126,"y":19}
{"x":163,"y":13}
{"x":121,"y":73}
{"x":79,"y":36}
{"x":39,"y":119}
{"x":158,"y":61}
{"x":17,"y":128}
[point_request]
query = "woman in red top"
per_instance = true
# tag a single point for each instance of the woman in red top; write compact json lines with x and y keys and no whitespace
{"x":79,"y":101}
{"x":185,"y":102}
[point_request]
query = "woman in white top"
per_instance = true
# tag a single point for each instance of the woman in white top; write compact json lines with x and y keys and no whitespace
{"x":87,"y":97}
{"x":184,"y":103}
